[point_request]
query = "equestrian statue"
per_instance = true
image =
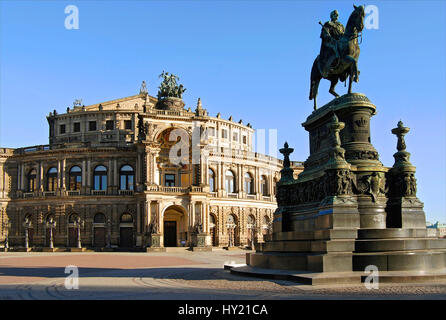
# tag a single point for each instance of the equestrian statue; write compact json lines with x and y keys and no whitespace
{"x":338,"y":58}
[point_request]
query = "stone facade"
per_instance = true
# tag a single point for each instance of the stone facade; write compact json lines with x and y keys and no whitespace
{"x":110,"y":166}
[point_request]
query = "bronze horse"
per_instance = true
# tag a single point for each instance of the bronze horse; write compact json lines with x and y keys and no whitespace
{"x":346,"y":65}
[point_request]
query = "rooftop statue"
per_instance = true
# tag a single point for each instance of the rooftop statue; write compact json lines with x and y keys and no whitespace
{"x":339,"y":53}
{"x":169,"y":87}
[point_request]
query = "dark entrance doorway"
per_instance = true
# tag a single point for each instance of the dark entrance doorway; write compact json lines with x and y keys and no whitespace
{"x":170,"y":233}
{"x":212,"y":230}
{"x":99,"y":237}
{"x":30,"y":237}
{"x":72,"y":237}
{"x":126,"y":237}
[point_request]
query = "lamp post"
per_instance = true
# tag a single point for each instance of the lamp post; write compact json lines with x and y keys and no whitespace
{"x":253,"y":232}
{"x":8,"y":226}
{"x":27,"y":225}
{"x":78,"y":223}
{"x":108,"y":233}
{"x":230,"y":227}
{"x":51,"y":224}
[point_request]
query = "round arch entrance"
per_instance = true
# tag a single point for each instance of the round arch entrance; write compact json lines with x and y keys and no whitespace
{"x":174,"y":226}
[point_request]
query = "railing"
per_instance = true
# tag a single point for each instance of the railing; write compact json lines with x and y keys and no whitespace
{"x":213,"y":194}
{"x":49,"y":193}
{"x":167,"y":189}
{"x":125,"y":192}
{"x":250,"y":196}
{"x":74,"y":193}
{"x":98,"y":192}
{"x":34,"y":149}
{"x":196,"y":189}
{"x":267,"y":198}
{"x":28,"y":195}
{"x":232,"y":195}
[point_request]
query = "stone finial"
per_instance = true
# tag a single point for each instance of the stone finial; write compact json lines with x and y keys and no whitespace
{"x":335,"y":126}
{"x":199,"y":106}
{"x":143,"y":89}
{"x":230,"y":118}
{"x":286,"y":172}
{"x":218,"y":115}
{"x":402,"y":157}
{"x":286,"y":151}
{"x":68,"y":109}
{"x":100,"y":107}
{"x":400,"y":131}
{"x":241,"y":121}
{"x":189,"y":109}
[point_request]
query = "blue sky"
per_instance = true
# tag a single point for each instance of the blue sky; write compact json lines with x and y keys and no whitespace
{"x":249,"y":59}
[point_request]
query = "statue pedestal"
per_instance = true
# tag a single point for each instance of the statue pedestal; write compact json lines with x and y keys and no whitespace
{"x":203,"y":241}
{"x":340,"y":215}
{"x":157,"y":243}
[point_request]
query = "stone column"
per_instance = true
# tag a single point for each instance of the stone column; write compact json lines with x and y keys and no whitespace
{"x":22,"y":177}
{"x":110,"y":179}
{"x":84,"y":173}
{"x":89,"y":174}
{"x":63,"y":173}
{"x":115,"y":175}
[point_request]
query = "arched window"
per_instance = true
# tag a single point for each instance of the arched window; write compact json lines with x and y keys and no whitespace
{"x":32,"y":180}
{"x":251,"y":220}
{"x":264,"y":186}
{"x":75,"y":177}
{"x":126,"y":218}
{"x":249,"y":185}
{"x":126,"y":178}
{"x":211,"y":220}
{"x":211,"y":180}
{"x":100,"y":178}
{"x":231,"y":220}
{"x":72,"y":218}
{"x":230,"y":182}
{"x":51,"y":179}
{"x":99,"y":218}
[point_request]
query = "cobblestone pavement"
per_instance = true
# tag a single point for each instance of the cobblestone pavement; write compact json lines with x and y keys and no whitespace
{"x":179,"y":275}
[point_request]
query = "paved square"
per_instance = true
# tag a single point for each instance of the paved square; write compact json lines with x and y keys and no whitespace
{"x":176,"y":275}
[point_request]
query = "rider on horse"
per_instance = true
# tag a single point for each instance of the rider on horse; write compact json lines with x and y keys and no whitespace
{"x":330,"y":34}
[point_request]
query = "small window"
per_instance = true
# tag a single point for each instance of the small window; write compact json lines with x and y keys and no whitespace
{"x":224,"y":134}
{"x":128,"y":124}
{"x":62,"y":129}
{"x":77,"y":127}
{"x":92,"y":126}
{"x":244,"y":139}
{"x":109,"y":125}
{"x":235,"y":136}
{"x":169,"y":180}
{"x":211,"y":132}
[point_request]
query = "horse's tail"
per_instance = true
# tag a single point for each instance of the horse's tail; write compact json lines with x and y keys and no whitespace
{"x":314,"y":75}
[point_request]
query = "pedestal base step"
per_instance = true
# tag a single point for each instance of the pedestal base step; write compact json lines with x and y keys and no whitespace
{"x":156,"y":249}
{"x":331,"y":278}
{"x":202,"y":249}
{"x":325,"y":262}
{"x":47,"y":249}
{"x":78,"y":249}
